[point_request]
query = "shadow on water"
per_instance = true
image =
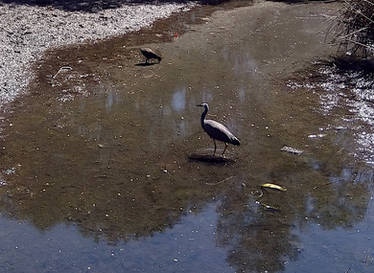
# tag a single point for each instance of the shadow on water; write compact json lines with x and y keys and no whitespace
{"x":95,"y":172}
{"x":210,"y":159}
{"x":145,"y":64}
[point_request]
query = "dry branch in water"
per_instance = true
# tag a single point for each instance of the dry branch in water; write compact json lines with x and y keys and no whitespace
{"x":354,"y":27}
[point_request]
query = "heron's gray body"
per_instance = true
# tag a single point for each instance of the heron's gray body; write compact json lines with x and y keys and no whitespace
{"x":216,"y":130}
{"x":219,"y":132}
{"x":150,"y":54}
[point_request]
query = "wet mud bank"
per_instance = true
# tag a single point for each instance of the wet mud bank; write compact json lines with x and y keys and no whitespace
{"x":29,"y":28}
{"x":99,"y":154}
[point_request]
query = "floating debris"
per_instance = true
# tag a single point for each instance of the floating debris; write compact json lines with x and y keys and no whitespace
{"x":2,"y":181}
{"x":291,"y":150}
{"x":339,"y":128}
{"x":10,"y":171}
{"x":273,"y":187}
{"x":317,"y":136}
{"x":268,"y":207}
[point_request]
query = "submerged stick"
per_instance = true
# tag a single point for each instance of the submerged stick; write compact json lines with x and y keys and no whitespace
{"x":219,"y":182}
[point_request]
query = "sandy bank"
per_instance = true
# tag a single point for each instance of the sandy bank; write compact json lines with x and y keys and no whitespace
{"x":27,"y":31}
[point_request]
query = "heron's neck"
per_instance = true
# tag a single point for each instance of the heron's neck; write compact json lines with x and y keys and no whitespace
{"x":203,"y":117}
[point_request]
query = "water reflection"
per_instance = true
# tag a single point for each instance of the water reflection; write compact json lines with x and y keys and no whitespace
{"x":111,"y":172}
{"x":179,"y":100}
{"x":62,"y":248}
{"x":241,"y":93}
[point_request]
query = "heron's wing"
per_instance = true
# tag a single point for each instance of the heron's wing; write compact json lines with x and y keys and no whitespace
{"x":218,"y":131}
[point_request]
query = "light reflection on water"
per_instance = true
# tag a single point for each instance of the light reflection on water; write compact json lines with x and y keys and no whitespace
{"x":179,"y":100}
{"x":347,"y":89}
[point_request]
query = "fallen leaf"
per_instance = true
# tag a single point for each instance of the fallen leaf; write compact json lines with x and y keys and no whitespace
{"x":273,"y":187}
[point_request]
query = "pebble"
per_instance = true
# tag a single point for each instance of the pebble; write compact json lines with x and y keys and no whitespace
{"x":291,"y":150}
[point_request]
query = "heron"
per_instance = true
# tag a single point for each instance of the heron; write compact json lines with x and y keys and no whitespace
{"x":216,"y":130}
{"x":150,"y":54}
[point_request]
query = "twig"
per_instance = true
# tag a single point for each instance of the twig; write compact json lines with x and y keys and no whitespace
{"x":350,"y":34}
{"x":360,"y":44}
{"x":369,"y":2}
{"x":260,"y":195}
{"x":363,"y":15}
{"x":62,"y":68}
{"x":219,"y":182}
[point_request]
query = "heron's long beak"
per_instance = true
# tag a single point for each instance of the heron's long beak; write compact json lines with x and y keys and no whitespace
{"x":199,"y":105}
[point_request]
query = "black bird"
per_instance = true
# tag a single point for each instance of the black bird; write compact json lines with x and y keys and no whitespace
{"x":216,"y":130}
{"x":150,"y":54}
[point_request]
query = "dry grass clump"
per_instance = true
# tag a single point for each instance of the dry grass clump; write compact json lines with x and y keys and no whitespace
{"x":355,"y":27}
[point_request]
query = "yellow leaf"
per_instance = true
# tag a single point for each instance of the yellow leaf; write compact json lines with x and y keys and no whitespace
{"x":273,"y":186}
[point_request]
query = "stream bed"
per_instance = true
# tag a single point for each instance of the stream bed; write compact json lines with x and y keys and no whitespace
{"x":100,"y":161}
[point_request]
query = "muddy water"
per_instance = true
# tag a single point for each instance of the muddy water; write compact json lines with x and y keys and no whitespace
{"x":97,"y":170}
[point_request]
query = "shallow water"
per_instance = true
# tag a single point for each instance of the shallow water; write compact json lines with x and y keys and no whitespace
{"x":100,"y":171}
{"x":346,"y":95}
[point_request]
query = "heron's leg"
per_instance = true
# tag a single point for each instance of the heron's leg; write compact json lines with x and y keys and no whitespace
{"x":225,"y":148}
{"x":215,"y":147}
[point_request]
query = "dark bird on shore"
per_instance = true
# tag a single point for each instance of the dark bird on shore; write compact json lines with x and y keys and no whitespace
{"x":216,"y":130}
{"x":150,"y":54}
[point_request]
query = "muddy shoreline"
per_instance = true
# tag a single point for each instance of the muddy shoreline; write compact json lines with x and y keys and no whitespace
{"x":40,"y":73}
{"x":27,"y":31}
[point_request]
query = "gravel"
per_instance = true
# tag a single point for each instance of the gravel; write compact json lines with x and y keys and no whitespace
{"x":27,"y":31}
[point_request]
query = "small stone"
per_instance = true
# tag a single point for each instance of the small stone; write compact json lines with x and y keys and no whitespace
{"x":291,"y":150}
